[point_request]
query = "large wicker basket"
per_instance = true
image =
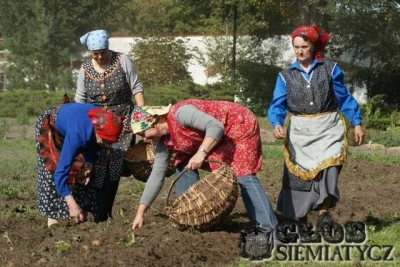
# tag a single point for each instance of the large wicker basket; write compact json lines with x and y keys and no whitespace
{"x":207,"y":202}
{"x":139,"y":160}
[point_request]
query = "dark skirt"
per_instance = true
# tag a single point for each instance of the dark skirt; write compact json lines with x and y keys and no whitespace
{"x":298,"y":200}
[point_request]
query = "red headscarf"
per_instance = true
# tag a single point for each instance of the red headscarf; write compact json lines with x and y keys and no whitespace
{"x":316,"y":36}
{"x":107,"y":125}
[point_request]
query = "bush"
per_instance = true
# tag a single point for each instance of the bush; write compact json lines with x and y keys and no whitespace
{"x":378,"y":115}
{"x":4,"y":127}
{"x":29,"y":102}
{"x":161,"y":61}
{"x":22,"y":119}
{"x":164,"y":95}
{"x":389,"y":138}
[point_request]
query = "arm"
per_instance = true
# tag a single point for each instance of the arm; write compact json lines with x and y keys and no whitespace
{"x":68,"y":152}
{"x":347,"y":104}
{"x":154,"y":183}
{"x":278,"y":108}
{"x":80,"y":96}
{"x":133,"y":79}
{"x":69,"y":149}
{"x":139,"y":99}
{"x":190,"y":116}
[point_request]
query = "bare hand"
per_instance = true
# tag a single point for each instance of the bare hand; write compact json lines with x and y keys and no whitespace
{"x":74,"y":210}
{"x":87,"y":175}
{"x":138,"y":222}
{"x":279,"y":133}
{"x":196,"y":161}
{"x":359,"y":134}
{"x":76,"y":214}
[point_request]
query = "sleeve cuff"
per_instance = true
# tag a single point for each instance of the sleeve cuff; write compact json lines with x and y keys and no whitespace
{"x":65,"y":193}
{"x":274,"y":124}
{"x":356,"y":122}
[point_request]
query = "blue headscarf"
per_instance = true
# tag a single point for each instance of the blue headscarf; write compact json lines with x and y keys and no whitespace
{"x":95,"y":40}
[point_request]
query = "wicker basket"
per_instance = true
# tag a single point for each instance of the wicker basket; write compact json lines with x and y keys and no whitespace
{"x":207,"y":202}
{"x":139,"y":160}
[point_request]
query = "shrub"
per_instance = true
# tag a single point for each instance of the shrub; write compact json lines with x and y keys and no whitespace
{"x":4,"y":127}
{"x":22,"y":119}
{"x":389,"y":138}
{"x":29,"y":102}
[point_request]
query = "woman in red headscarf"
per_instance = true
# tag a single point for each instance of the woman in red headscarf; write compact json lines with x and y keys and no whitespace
{"x":313,"y":91}
{"x":67,"y":138}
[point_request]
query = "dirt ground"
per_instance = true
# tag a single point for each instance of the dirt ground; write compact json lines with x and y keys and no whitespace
{"x":368,"y":190}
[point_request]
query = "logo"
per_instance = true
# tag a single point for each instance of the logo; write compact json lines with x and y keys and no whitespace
{"x":332,"y":243}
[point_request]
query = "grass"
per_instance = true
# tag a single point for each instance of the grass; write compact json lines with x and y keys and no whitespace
{"x":392,"y":160}
{"x":18,"y":168}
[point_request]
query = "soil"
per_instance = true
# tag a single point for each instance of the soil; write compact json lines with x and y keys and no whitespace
{"x":368,"y":191}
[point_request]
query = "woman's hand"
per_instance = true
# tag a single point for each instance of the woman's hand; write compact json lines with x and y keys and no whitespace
{"x":196,"y":161}
{"x":87,"y":175}
{"x":74,"y":210}
{"x":279,"y":133}
{"x":139,"y":219}
{"x":359,"y":134}
{"x":138,"y":222}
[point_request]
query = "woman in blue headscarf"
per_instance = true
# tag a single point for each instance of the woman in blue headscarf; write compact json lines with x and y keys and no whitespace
{"x":108,"y":79}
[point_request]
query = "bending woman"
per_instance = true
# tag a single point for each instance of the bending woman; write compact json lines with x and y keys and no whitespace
{"x":200,"y":129}
{"x":67,"y":137}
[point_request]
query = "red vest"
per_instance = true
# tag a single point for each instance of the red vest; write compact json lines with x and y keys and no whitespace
{"x":240,"y":145}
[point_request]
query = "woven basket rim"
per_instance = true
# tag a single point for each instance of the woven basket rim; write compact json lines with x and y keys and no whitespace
{"x":205,"y":221}
{"x":223,"y":164}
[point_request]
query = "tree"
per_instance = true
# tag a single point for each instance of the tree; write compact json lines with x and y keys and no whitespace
{"x":369,"y":32}
{"x":38,"y":34}
{"x":161,"y":61}
{"x":145,"y":18}
{"x":42,"y":37}
{"x":260,"y":18}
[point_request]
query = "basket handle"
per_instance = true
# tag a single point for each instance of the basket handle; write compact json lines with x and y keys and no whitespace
{"x":185,"y":170}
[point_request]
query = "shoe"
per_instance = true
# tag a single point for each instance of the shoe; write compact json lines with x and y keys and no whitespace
{"x":323,"y":218}
{"x":256,"y":244}
{"x":51,"y":222}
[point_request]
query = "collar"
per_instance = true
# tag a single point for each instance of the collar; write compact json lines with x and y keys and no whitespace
{"x":297,"y":66}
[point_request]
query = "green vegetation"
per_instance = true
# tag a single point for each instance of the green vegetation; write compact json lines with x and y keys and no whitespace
{"x":61,"y":246}
{"x":393,"y":160}
{"x":43,"y":40}
{"x":161,"y":61}
{"x":18,"y":168}
{"x":389,"y":138}
{"x":23,"y":103}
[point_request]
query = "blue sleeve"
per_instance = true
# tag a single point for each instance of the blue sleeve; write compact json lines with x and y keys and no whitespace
{"x":278,"y":107}
{"x":90,"y":149}
{"x":72,"y":143}
{"x":347,"y":103}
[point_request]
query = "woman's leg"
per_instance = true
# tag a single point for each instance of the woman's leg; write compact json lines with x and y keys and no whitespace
{"x":105,"y":197}
{"x":257,"y":203}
